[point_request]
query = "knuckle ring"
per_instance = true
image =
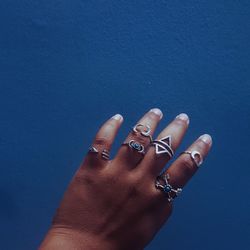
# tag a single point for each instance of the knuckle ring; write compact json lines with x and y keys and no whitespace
{"x":135,"y":146}
{"x":163,"y":145}
{"x":104,"y":153}
{"x":162,"y":183}
{"x":93,"y":150}
{"x":195,"y":156}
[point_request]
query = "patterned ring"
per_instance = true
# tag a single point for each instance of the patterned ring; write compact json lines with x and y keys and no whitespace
{"x":162,"y":183}
{"x":104,"y":154}
{"x":136,"y":146}
{"x":163,"y":145}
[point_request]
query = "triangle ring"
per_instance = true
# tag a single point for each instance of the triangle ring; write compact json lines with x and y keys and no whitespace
{"x":163,"y":145}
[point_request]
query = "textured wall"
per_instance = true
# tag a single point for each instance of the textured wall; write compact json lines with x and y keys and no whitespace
{"x":66,"y":66}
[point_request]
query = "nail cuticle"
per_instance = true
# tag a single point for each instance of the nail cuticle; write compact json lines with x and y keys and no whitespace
{"x":206,"y":138}
{"x":184,"y":117}
{"x":117,"y":117}
{"x":157,"y":112}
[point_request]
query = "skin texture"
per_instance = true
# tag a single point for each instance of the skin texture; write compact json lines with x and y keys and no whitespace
{"x":114,"y":204}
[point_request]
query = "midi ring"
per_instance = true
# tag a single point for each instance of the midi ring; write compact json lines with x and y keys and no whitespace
{"x":164,"y":146}
{"x":136,"y":146}
{"x":104,"y":154}
{"x":143,"y":130}
{"x":162,"y":183}
{"x":195,"y":156}
{"x":93,"y":150}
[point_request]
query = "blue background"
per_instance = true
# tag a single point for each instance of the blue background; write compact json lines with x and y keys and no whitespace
{"x":66,"y":66}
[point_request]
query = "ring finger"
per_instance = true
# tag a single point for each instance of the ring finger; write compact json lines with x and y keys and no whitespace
{"x":180,"y":172}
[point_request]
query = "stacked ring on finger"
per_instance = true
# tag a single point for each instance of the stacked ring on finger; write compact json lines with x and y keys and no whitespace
{"x":162,"y":183}
{"x":104,"y":154}
{"x":143,"y":130}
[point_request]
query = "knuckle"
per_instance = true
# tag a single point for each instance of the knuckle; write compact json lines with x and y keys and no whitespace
{"x":141,"y":139}
{"x":156,"y":196}
{"x":187,"y":164}
{"x":100,"y":141}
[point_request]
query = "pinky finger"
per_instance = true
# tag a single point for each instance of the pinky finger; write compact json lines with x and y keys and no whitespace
{"x":188,"y":162}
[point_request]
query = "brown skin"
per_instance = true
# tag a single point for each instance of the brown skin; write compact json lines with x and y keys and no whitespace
{"x":111,"y":205}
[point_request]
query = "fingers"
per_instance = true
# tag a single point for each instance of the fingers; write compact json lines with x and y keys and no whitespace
{"x":147,"y":125}
{"x":185,"y":166}
{"x":156,"y":158}
{"x":99,"y":151}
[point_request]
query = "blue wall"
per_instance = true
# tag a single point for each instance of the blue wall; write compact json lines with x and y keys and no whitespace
{"x":66,"y":66}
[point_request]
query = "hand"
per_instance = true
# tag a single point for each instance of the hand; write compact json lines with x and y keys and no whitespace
{"x":115,"y":204}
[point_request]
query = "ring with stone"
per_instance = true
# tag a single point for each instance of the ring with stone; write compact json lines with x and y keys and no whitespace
{"x":135,"y":146}
{"x":143,"y":130}
{"x":162,"y":183}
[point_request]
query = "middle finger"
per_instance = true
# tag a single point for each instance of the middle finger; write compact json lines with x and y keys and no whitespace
{"x":160,"y":153}
{"x":129,"y":153}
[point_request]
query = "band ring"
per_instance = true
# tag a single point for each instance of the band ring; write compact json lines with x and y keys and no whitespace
{"x":135,"y":146}
{"x":104,"y":153}
{"x":195,"y":156}
{"x":162,"y":183}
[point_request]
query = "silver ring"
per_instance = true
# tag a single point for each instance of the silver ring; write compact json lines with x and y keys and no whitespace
{"x":143,"y":130}
{"x":93,"y":150}
{"x":164,"y":146}
{"x":195,"y":156}
{"x":105,"y":154}
{"x":162,"y":183}
{"x":136,"y":146}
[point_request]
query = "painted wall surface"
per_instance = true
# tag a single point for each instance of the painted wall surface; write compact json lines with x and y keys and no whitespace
{"x":66,"y":66}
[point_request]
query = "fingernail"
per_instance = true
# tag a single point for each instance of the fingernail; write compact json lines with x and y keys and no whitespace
{"x":207,"y":139}
{"x":184,"y":117}
{"x":117,"y":117}
{"x":157,"y":112}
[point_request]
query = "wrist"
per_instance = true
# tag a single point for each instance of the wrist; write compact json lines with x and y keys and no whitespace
{"x":67,"y":239}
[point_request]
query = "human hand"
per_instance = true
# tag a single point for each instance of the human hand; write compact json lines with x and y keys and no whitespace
{"x":117,"y":204}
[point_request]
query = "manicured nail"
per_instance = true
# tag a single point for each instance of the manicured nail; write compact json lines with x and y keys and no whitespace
{"x":157,"y":112}
{"x":184,"y":117}
{"x":117,"y":117}
{"x":207,"y":139}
